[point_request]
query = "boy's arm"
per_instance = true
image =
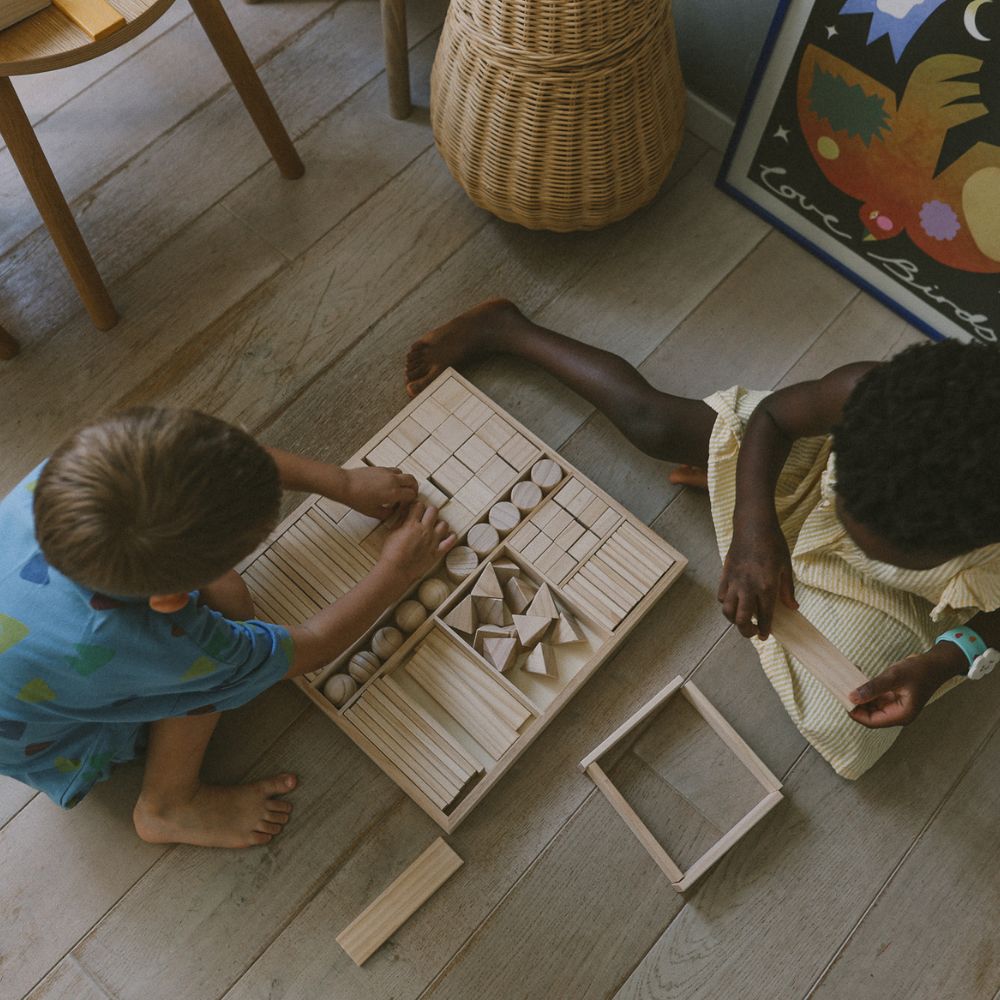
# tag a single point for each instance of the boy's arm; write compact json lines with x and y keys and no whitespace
{"x":897,"y":695}
{"x":411,"y":550}
{"x":376,"y":492}
{"x":757,"y":570}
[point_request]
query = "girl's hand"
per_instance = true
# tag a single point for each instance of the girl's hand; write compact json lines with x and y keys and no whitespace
{"x":416,"y":542}
{"x":757,"y":571}
{"x":377,"y":492}
{"x":897,"y":696}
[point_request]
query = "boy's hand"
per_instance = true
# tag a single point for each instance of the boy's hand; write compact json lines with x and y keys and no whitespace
{"x":377,"y":492}
{"x":897,"y":695}
{"x":416,"y":542}
{"x":757,"y":571}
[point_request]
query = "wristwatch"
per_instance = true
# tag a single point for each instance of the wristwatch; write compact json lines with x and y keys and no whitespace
{"x":982,"y":659}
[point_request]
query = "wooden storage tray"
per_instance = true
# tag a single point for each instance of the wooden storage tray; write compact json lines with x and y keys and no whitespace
{"x":603,"y":566}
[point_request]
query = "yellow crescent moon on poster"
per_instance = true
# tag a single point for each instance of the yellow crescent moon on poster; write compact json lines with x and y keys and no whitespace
{"x":970,"y":20}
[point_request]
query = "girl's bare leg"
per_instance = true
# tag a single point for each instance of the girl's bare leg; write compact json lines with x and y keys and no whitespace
{"x":669,"y":427}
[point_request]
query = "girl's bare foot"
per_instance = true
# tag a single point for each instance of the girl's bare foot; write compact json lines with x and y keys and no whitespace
{"x":479,"y":331}
{"x":218,"y":815}
{"x":690,"y":475}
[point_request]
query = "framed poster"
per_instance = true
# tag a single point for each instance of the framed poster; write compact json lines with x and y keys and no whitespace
{"x":871,"y":135}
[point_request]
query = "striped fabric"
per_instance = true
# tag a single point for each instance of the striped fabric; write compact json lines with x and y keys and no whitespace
{"x":874,"y":613}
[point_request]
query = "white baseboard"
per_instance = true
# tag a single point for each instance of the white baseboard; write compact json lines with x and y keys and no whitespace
{"x":708,"y":123}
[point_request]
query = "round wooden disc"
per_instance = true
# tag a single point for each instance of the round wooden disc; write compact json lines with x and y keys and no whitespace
{"x":432,"y":593}
{"x":410,"y":615}
{"x":460,"y":562}
{"x":505,"y":517}
{"x":526,"y":496}
{"x":546,"y":473}
{"x":386,"y":641}
{"x":339,"y":688}
{"x":482,"y":538}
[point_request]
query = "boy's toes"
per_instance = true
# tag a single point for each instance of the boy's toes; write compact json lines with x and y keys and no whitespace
{"x":279,"y":806}
{"x":277,"y":817}
{"x":417,"y":385}
{"x":265,"y":827}
{"x":260,"y":839}
{"x":277,"y":785}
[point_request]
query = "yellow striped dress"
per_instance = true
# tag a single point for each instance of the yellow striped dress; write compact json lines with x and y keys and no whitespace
{"x":876,"y":614}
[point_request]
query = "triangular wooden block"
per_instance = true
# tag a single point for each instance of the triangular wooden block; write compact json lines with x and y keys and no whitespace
{"x":490,"y":610}
{"x":462,"y":617}
{"x":541,"y":660}
{"x":488,"y":585}
{"x":506,"y":570}
{"x":530,"y":628}
{"x":565,"y":631}
{"x":501,"y":653}
{"x":518,"y":595}
{"x":542,"y":604}
{"x":485,"y":632}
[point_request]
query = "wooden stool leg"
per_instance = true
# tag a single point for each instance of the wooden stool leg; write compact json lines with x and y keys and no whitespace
{"x":237,"y":64}
{"x":397,"y":57}
{"x":8,"y":345}
{"x":44,"y":190}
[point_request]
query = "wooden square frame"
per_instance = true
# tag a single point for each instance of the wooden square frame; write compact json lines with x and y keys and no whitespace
{"x":683,"y":880}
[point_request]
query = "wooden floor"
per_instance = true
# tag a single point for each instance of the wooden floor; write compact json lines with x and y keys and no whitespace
{"x":287,"y":307}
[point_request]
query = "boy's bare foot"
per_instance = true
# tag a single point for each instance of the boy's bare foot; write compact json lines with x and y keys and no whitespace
{"x":218,"y":815}
{"x":689,"y":475}
{"x":476,"y":332}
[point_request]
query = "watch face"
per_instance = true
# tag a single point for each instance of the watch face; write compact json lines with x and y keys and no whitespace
{"x":983,"y":664}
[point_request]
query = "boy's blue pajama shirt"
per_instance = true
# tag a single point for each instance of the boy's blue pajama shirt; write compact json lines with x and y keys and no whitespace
{"x":82,"y":674}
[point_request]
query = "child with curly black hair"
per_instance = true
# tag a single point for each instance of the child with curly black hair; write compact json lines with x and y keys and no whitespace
{"x":869,"y":499}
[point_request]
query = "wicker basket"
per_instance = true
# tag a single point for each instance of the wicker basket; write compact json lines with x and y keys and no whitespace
{"x":558,"y":114}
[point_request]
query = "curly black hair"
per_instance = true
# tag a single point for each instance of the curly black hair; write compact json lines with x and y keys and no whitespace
{"x":918,"y":449}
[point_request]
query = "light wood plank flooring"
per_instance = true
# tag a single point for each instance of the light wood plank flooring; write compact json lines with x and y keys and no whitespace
{"x":287,"y":306}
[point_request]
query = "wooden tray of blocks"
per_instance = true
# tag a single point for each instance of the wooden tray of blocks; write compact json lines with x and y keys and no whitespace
{"x":452,"y":684}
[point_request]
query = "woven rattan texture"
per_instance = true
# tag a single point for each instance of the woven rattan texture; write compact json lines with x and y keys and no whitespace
{"x":558,"y":114}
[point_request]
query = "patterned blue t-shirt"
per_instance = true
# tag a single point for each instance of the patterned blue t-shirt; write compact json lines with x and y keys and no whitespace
{"x":82,"y":673}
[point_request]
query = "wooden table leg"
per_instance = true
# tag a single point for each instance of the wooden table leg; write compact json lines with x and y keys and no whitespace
{"x":397,"y":57}
{"x":41,"y":183}
{"x":9,"y":347}
{"x":241,"y":71}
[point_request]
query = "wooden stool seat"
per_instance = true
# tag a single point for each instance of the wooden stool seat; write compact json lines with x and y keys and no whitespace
{"x":49,"y":40}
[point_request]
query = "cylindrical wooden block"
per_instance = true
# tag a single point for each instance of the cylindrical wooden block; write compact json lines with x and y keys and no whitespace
{"x":546,"y":473}
{"x":410,"y":615}
{"x":363,"y":665}
{"x":460,"y":562}
{"x":526,"y":496}
{"x":505,"y":517}
{"x":482,"y":538}
{"x":432,"y":593}
{"x":339,"y":688}
{"x":386,"y":641}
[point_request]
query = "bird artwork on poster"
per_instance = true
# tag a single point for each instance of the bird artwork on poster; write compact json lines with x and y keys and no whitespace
{"x":877,"y":145}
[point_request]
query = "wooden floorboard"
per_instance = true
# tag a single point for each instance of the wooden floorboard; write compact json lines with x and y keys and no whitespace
{"x":288,"y":306}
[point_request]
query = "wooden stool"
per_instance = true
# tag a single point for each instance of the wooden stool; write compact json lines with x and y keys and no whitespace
{"x":49,"y":40}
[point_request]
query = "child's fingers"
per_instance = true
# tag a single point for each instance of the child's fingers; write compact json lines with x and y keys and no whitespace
{"x":442,"y":528}
{"x":870,"y":690}
{"x":447,"y":543}
{"x":429,"y":516}
{"x":417,"y":511}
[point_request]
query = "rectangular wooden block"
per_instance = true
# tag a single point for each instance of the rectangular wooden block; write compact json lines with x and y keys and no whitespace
{"x":452,"y":475}
{"x":452,"y":432}
{"x":475,"y":495}
{"x":451,"y":394}
{"x":569,"y":490}
{"x":496,"y":432}
{"x":96,"y":17}
{"x":518,"y":451}
{"x":583,"y":545}
{"x":519,"y":540}
{"x":497,"y":474}
{"x":458,"y":516}
{"x":430,"y":414}
{"x":473,"y":412}
{"x":386,"y":454}
{"x":560,"y":520}
{"x":593,"y":512}
{"x":475,"y":453}
{"x":536,"y":547}
{"x":606,"y":522}
{"x":390,"y":910}
{"x":431,"y":454}
{"x":408,"y":434}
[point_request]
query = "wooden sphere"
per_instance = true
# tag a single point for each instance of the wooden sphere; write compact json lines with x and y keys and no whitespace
{"x":505,"y":517}
{"x":410,"y":615}
{"x":339,"y":688}
{"x":546,"y":473}
{"x":460,"y":562}
{"x":482,"y":538}
{"x":363,"y":665}
{"x":525,"y":496}
{"x":386,"y":641}
{"x":432,"y":593}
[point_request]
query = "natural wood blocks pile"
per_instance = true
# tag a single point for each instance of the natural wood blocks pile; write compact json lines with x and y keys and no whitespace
{"x":452,"y":684}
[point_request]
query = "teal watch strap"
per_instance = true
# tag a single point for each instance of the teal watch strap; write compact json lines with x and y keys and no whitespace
{"x":968,"y":640}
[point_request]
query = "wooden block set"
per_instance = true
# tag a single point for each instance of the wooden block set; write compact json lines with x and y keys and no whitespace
{"x":452,"y":684}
